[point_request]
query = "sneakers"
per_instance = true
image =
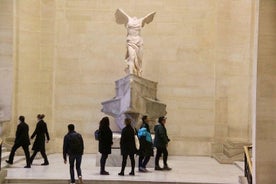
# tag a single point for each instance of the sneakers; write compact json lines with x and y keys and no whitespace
{"x":141,"y":169}
{"x":80,"y":180}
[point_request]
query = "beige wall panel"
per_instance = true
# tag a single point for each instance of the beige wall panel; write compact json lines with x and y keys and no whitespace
{"x":189,"y":147}
{"x":6,"y":65}
{"x":265,"y":109}
{"x":28,"y":8}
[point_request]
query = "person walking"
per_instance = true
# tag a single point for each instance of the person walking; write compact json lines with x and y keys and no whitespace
{"x":105,"y":143}
{"x":161,"y":141}
{"x":73,"y":146}
{"x":127,"y":146}
{"x":40,"y":132}
{"x":21,"y":140}
{"x":146,"y":146}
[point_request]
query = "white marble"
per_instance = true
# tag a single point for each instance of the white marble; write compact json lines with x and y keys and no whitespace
{"x":134,"y":96}
{"x":134,"y":26}
{"x":185,"y":169}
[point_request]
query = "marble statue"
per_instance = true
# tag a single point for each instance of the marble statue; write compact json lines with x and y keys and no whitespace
{"x":134,"y":26}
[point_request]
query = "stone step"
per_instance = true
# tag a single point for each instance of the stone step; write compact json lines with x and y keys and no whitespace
{"x":232,"y":149}
{"x":240,"y":165}
{"x":223,"y":159}
{"x":243,"y":180}
{"x":5,"y":156}
{"x":123,"y":181}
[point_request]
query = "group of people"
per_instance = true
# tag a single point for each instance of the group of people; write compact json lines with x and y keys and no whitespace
{"x":128,"y":147}
{"x":73,"y":145}
{"x":22,"y":140}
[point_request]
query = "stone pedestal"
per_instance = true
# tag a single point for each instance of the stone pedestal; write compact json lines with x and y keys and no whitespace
{"x":135,"y":96}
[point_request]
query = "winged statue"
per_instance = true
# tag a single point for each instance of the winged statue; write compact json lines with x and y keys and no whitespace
{"x":134,"y":52}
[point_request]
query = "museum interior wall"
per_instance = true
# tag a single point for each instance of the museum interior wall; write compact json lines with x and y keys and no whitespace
{"x":67,"y":55}
{"x":6,"y":58}
{"x":266,"y":99}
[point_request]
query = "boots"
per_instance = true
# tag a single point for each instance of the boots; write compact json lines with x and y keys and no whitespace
{"x":158,"y":168}
{"x":167,"y":168}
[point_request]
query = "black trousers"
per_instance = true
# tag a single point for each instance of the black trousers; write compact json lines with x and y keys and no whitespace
{"x":103,"y":161}
{"x":43,"y":154}
{"x":160,"y":151}
{"x":26,"y":151}
{"x":124,"y":162}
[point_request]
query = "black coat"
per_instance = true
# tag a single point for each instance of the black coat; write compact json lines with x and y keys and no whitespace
{"x":105,"y":140}
{"x":69,"y":148}
{"x":40,"y":132}
{"x":161,"y":138}
{"x":127,"y":141}
{"x":22,"y":134}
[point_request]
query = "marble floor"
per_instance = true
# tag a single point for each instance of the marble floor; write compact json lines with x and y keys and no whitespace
{"x":184,"y":169}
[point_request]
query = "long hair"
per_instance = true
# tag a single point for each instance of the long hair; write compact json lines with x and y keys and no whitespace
{"x":104,"y":123}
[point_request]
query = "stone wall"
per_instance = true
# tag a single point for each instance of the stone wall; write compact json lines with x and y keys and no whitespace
{"x":6,"y":56}
{"x":33,"y":57}
{"x":265,"y":150}
{"x":69,"y":53}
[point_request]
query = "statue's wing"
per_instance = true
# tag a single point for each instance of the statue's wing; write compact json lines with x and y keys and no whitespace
{"x":148,"y":18}
{"x":121,"y":17}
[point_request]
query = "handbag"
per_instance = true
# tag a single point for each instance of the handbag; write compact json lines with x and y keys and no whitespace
{"x":137,"y":142}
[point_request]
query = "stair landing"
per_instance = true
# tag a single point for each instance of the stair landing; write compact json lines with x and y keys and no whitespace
{"x":186,"y":170}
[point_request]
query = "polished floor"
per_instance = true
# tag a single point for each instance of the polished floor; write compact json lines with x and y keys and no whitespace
{"x":184,"y":169}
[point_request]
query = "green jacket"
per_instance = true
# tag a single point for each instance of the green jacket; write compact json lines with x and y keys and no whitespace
{"x":161,"y":138}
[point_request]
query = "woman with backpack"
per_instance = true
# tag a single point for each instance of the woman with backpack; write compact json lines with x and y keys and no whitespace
{"x":105,"y":137}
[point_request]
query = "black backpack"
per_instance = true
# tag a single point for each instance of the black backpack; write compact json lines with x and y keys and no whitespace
{"x":96,"y":134}
{"x":76,"y":143}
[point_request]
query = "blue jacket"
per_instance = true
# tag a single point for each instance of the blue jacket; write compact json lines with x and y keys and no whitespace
{"x":143,"y":132}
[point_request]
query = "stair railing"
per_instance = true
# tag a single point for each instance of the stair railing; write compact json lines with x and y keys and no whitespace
{"x":248,"y":164}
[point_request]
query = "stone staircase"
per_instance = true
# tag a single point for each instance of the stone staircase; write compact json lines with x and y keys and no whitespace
{"x":5,"y":156}
{"x":6,"y":148}
{"x":20,"y":156}
{"x":98,"y":182}
{"x":231,"y":152}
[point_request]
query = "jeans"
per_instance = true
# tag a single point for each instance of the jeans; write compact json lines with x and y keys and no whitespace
{"x":72,"y":159}
{"x":143,"y":161}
